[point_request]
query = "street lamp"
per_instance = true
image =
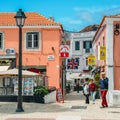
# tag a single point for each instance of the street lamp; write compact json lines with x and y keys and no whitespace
{"x":20,"y":19}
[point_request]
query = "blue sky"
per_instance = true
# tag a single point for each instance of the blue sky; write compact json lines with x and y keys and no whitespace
{"x":74,"y":15}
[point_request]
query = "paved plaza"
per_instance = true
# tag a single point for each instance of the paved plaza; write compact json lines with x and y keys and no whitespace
{"x":74,"y":108}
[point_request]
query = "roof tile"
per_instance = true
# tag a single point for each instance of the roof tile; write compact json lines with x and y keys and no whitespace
{"x":33,"y":18}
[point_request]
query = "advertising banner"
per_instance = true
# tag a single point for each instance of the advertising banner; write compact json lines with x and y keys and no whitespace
{"x":101,"y":53}
{"x":91,"y":60}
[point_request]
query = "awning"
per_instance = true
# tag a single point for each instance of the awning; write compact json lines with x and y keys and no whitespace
{"x":4,"y":68}
{"x":12,"y":72}
{"x":78,"y":76}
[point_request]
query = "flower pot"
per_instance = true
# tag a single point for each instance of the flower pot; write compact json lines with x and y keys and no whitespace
{"x":39,"y":98}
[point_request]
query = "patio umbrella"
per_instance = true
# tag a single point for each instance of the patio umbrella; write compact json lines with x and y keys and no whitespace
{"x":14,"y":72}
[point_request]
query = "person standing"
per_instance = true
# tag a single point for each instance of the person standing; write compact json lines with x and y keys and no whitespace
{"x":92,"y":88}
{"x":104,"y":89}
{"x":86,"y":92}
{"x":77,"y":87}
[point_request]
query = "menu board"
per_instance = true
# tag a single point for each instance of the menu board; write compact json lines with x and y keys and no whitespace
{"x":59,"y":95}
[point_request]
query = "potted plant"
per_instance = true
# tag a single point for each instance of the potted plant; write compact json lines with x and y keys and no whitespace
{"x":39,"y":93}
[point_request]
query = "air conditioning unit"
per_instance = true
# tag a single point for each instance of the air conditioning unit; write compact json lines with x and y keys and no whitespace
{"x":10,"y":51}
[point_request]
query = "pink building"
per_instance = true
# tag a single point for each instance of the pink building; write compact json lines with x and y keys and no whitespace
{"x":108,"y":35}
{"x":41,"y":38}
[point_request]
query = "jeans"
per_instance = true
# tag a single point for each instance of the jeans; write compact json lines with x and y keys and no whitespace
{"x":87,"y":99}
{"x":93,"y":93}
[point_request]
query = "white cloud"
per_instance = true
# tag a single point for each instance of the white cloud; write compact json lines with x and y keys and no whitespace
{"x":87,"y":16}
{"x":70,"y":20}
{"x":90,"y":9}
{"x":75,"y":21}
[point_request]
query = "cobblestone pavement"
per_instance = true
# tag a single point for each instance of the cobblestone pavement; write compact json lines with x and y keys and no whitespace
{"x":74,"y":108}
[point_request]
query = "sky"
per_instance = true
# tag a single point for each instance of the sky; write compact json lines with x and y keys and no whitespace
{"x":74,"y":15}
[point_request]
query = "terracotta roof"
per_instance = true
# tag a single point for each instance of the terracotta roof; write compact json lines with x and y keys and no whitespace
{"x":90,"y":28}
{"x":33,"y":18}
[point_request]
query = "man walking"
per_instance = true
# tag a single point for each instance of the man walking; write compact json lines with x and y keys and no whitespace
{"x":104,"y":89}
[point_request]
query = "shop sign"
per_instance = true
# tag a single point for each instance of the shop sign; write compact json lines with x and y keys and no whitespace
{"x":64,"y":51}
{"x":91,"y":60}
{"x":101,"y":53}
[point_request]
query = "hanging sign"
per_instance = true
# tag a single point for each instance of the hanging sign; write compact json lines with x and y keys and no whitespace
{"x":59,"y":95}
{"x":91,"y":60}
{"x":64,"y":51}
{"x":101,"y":53}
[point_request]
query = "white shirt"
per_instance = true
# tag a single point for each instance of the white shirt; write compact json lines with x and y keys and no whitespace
{"x":86,"y":89}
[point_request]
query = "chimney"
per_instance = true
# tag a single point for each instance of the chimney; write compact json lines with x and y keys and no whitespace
{"x":51,"y":18}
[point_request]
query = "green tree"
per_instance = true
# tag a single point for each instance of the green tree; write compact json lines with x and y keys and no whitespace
{"x":97,"y":79}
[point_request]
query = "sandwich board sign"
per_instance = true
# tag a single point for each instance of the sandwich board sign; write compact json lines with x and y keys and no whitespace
{"x":59,"y":95}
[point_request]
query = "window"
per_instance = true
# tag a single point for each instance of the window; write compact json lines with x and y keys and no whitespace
{"x":103,"y":41}
{"x":1,"y":41}
{"x":32,"y":40}
{"x":77,"y":45}
{"x":87,"y":45}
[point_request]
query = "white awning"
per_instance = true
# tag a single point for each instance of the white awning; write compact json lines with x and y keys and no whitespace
{"x":14,"y":71}
{"x":4,"y":68}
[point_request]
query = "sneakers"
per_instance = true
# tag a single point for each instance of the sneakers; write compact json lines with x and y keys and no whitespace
{"x":103,"y":106}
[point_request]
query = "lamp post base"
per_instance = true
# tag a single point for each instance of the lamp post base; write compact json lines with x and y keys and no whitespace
{"x":19,"y":110}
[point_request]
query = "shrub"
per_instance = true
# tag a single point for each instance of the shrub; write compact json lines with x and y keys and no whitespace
{"x":40,"y":90}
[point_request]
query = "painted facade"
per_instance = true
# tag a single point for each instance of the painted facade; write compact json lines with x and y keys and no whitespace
{"x":80,"y":49}
{"x":41,"y":39}
{"x":106,"y":36}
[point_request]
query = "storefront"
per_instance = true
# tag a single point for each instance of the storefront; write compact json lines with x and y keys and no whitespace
{"x":9,"y":84}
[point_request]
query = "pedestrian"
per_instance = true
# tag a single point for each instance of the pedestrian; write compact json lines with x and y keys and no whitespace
{"x":92,"y":88}
{"x":86,"y":92}
{"x":104,"y":89}
{"x":77,"y":87}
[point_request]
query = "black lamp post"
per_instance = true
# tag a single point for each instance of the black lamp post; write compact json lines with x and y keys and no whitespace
{"x":20,"y":19}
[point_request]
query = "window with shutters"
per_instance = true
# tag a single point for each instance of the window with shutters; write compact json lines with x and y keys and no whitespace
{"x":32,"y":40}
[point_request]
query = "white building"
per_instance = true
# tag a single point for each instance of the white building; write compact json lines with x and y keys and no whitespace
{"x":80,"y":49}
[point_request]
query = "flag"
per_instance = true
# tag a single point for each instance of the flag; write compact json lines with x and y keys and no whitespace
{"x":73,"y":63}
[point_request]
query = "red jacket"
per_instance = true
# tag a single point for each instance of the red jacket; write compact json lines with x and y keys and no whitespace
{"x":92,"y":87}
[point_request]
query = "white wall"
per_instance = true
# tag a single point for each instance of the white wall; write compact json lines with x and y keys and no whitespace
{"x":86,"y":36}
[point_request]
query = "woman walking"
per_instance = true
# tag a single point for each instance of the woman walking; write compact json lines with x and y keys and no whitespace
{"x":92,"y":88}
{"x":86,"y":92}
